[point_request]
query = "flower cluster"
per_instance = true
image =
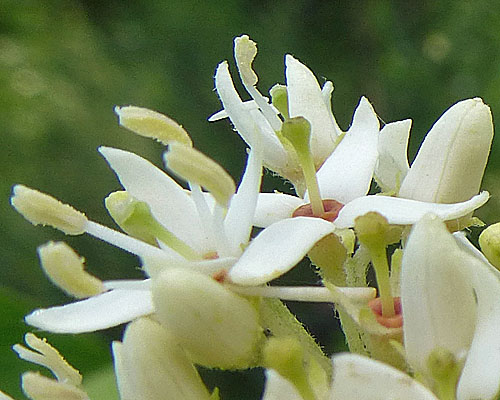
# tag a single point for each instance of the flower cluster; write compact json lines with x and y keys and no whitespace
{"x":428,"y":330}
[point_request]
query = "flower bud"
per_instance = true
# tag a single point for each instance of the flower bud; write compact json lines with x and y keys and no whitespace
{"x":450,"y":164}
{"x":489,"y":240}
{"x":218,"y":328}
{"x":150,"y":365}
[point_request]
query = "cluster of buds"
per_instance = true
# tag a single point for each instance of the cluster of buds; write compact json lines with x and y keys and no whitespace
{"x":427,"y":330}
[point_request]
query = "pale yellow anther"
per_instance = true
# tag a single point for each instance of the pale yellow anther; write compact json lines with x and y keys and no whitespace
{"x":39,"y":387}
{"x":194,"y":166}
{"x":66,"y":270}
{"x":152,"y":124}
{"x":47,"y":356}
{"x":41,"y":209}
{"x":245,"y":51}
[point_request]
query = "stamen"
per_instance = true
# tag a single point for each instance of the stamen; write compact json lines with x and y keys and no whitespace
{"x":331,"y":207}
{"x":193,"y":166}
{"x":152,"y":124}
{"x":245,"y":51}
{"x":65,"y":269}
{"x":135,"y":218}
{"x":41,"y":209}
{"x":47,"y":356}
{"x":313,"y":294}
{"x":298,"y":131}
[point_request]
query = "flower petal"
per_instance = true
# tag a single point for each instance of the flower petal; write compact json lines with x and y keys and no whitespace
{"x":360,"y":378}
{"x":392,"y":164}
{"x":277,"y":249}
{"x":480,"y":377}
{"x":274,"y":154}
{"x":169,"y":203}
{"x":439,"y":307}
{"x":348,"y":172}
{"x":305,"y":99}
{"x":404,"y":211}
{"x":99,"y":312}
{"x":273,"y":207}
{"x":238,"y":222}
{"x":450,"y":163}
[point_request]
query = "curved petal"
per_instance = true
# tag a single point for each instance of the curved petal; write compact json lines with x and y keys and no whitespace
{"x":404,"y":211}
{"x":277,"y":249}
{"x":360,"y":378}
{"x":274,"y":155}
{"x":450,"y":163}
{"x":169,"y":202}
{"x":99,"y":312}
{"x":273,"y":207}
{"x":348,"y":172}
{"x":239,"y":218}
{"x":439,"y":308}
{"x":305,"y":99}
{"x":392,"y":164}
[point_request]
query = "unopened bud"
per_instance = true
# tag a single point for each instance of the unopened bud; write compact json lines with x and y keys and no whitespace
{"x":150,"y":365}
{"x":217,"y":327}
{"x":66,"y":270}
{"x":193,"y":166}
{"x":152,"y":124}
{"x":489,"y":240}
{"x":41,"y":209}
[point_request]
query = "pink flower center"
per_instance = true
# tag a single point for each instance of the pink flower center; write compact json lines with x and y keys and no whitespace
{"x":332,"y":209}
{"x":389,"y":322}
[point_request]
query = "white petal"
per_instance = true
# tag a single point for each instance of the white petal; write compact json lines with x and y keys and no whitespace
{"x":405,"y":212}
{"x":273,"y":207}
{"x":305,"y":99}
{"x":277,"y":249}
{"x":274,"y":154}
{"x":169,"y":203}
{"x":99,"y":312}
{"x":360,"y":378}
{"x":348,"y":172}
{"x":392,"y":164}
{"x":436,"y":294}
{"x":450,"y":163}
{"x":279,"y":388}
{"x":249,"y":105}
{"x":480,"y":377}
{"x":239,"y":219}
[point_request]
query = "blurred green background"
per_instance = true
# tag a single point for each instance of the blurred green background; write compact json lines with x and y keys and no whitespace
{"x":64,"y":64}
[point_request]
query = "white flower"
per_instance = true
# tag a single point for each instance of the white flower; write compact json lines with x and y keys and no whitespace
{"x":449,"y":295}
{"x":448,"y":169}
{"x":302,"y":97}
{"x":206,"y":227}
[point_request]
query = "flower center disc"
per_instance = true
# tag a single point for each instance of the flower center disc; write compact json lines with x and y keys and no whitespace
{"x":332,"y":209}
{"x":389,"y":322}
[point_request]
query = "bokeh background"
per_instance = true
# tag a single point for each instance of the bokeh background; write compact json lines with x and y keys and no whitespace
{"x":64,"y":64}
